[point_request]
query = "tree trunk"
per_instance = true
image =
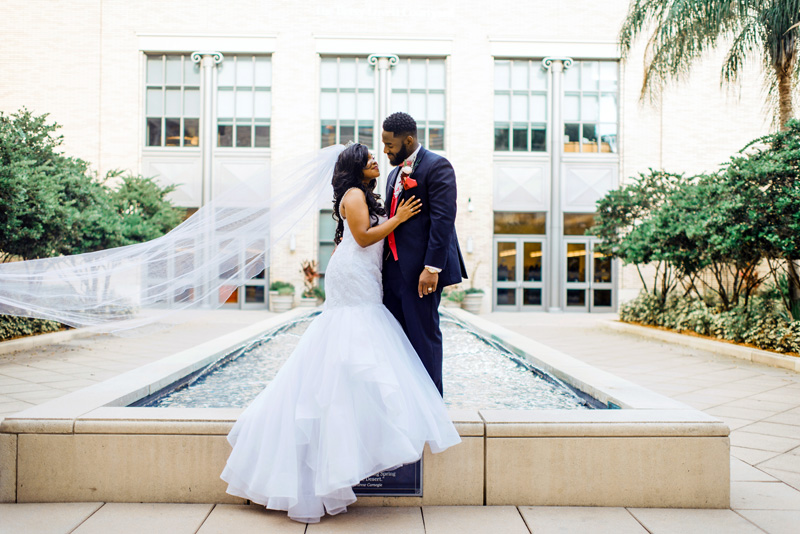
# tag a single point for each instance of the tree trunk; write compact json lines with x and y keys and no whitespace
{"x":786,"y":112}
{"x":785,"y":109}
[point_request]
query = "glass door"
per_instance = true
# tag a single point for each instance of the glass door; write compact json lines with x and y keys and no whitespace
{"x":603,"y":280}
{"x":518,"y":273}
{"x":589,"y":276}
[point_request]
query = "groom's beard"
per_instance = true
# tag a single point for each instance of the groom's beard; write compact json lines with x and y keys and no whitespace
{"x":400,"y":157}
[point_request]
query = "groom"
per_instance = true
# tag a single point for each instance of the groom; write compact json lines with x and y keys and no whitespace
{"x":422,"y":256}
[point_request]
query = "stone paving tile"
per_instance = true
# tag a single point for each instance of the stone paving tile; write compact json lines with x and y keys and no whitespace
{"x":744,"y":472}
{"x":136,"y":518}
{"x":9,"y":408}
{"x":784,"y":462}
{"x":786,"y":418}
{"x":775,"y":429}
{"x":734,"y":423}
{"x":701,"y":400}
{"x":21,"y":388}
{"x":741,"y":413}
{"x":774,"y":521}
{"x":744,"y":438}
{"x":692,"y":521}
{"x":72,"y":382}
{"x":764,"y":496}
{"x":750,"y":402}
{"x":44,"y":518}
{"x":364,"y":520}
{"x":253,"y":519}
{"x":752,"y":456}
{"x":787,"y":477}
{"x":473,"y":520}
{"x":38,"y":397}
{"x":567,"y":520}
{"x":781,"y":394}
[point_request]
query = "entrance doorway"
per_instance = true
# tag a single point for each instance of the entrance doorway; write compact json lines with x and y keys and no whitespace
{"x":519,"y":273}
{"x":589,"y":276}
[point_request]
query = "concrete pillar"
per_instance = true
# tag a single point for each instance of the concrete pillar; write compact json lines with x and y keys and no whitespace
{"x":555,"y":218}
{"x":383,"y":95}
{"x":208,"y":72}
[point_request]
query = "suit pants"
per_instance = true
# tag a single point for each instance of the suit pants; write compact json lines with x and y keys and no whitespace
{"x":419,"y":317}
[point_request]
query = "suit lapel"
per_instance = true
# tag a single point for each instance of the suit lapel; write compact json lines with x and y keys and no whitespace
{"x":390,"y":185}
{"x":396,"y":172}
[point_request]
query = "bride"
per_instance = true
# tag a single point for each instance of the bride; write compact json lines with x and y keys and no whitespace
{"x":353,"y":399}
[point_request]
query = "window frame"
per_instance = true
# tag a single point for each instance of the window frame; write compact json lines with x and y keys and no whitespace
{"x":529,"y":92}
{"x":357,"y":123}
{"x":598,"y":123}
{"x":424,"y":126}
{"x":182,"y":147}
{"x":234,"y":121}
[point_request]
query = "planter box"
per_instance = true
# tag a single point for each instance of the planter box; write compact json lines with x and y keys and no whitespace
{"x":272,"y":295}
{"x":308,"y":302}
{"x":282,"y":303}
{"x":472,"y":302}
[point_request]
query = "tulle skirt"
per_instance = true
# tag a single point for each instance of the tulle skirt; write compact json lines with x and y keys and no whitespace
{"x":351,"y":401}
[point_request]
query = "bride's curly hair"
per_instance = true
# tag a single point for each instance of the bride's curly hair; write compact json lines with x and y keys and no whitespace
{"x":349,"y":173}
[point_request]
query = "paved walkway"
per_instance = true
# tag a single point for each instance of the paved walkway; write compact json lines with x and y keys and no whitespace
{"x":759,"y":403}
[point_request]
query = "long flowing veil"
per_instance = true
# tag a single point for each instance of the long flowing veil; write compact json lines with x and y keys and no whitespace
{"x":197,"y":265}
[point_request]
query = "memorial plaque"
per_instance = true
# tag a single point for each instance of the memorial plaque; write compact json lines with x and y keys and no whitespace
{"x":404,"y":481}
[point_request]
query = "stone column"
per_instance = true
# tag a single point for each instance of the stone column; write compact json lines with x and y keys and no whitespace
{"x":383,"y":94}
{"x":555,"y":218}
{"x":208,"y":72}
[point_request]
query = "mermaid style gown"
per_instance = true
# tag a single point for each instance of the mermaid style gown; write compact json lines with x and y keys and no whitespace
{"x":352,"y":400}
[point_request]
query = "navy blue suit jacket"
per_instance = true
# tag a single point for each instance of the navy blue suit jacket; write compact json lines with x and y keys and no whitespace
{"x":429,"y":238}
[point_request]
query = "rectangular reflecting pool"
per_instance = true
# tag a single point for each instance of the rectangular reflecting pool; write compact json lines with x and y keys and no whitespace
{"x":102,"y":443}
{"x":478,"y":373}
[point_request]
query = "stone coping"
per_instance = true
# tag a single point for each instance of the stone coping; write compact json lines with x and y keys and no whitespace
{"x":603,"y":386}
{"x":133,"y":385}
{"x":469,"y":423}
{"x":41,"y":340}
{"x":750,"y":354}
{"x":102,"y":408}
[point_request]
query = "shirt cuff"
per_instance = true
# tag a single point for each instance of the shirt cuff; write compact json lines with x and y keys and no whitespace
{"x":434,"y":269}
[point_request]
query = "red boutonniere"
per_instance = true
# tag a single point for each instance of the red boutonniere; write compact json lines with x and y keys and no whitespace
{"x":405,"y":175}
{"x":408,"y":183}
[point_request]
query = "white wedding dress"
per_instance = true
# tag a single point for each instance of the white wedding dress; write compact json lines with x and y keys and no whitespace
{"x":352,"y":400}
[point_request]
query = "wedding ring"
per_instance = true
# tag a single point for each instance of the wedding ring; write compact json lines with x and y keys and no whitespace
{"x":430,"y":289}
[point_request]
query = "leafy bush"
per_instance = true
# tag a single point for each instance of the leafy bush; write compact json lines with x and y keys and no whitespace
{"x":723,"y":233}
{"x":455,"y":295}
{"x":12,"y":327}
{"x":52,"y":204}
{"x":277,"y":285}
{"x":762,"y":321}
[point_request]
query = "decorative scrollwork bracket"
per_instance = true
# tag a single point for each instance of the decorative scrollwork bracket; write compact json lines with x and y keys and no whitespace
{"x":546,"y":62}
{"x":198,"y":56}
{"x":392,"y":58}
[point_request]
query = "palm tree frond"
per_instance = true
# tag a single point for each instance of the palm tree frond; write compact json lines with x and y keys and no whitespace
{"x":746,"y":42}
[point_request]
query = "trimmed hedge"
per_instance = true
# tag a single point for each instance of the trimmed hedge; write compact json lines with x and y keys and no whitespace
{"x":762,"y":322}
{"x":13,"y":327}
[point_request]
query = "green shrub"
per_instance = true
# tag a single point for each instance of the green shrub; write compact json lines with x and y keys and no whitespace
{"x":319,"y":292}
{"x":762,"y":321}
{"x":277,"y":285}
{"x":455,"y":295}
{"x":12,"y":327}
